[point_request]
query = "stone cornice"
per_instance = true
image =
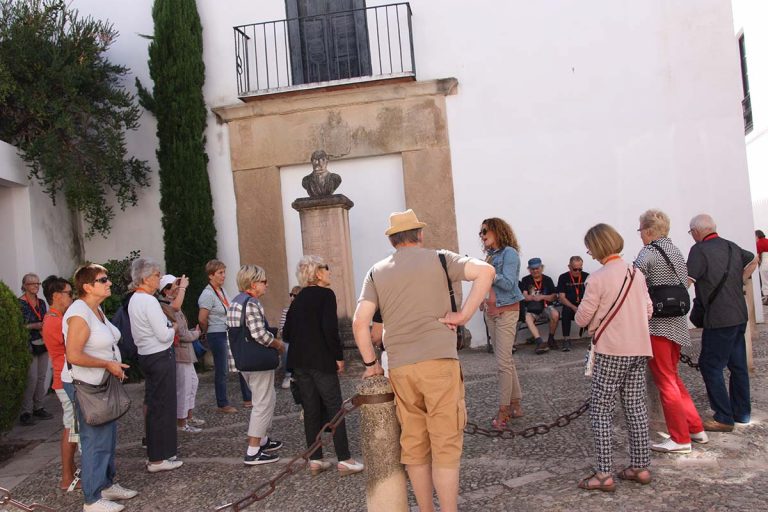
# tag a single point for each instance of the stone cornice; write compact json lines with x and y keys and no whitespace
{"x":314,"y":100}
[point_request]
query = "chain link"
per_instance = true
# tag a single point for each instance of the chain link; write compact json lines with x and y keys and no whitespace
{"x":6,"y":498}
{"x":541,"y":429}
{"x":299,"y":462}
{"x":687,"y":360}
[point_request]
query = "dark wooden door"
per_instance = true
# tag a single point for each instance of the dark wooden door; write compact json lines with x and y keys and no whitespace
{"x":329,"y":41}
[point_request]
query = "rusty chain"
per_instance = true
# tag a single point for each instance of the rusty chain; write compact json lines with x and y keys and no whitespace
{"x":299,"y":462}
{"x":6,"y":498}
{"x":474,"y":429}
{"x":687,"y":360}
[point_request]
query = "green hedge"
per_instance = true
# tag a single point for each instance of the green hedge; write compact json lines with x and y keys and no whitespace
{"x":14,"y":357}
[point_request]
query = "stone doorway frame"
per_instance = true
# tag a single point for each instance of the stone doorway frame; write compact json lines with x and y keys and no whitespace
{"x":273,"y":131}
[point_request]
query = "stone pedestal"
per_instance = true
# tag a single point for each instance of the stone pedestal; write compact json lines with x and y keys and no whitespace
{"x":325,"y":233}
{"x":385,"y":487}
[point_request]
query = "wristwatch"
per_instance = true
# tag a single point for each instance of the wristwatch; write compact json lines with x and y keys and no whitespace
{"x":368,"y":365}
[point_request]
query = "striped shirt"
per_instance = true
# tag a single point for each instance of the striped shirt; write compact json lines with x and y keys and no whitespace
{"x":254,"y":319}
{"x":658,"y":272}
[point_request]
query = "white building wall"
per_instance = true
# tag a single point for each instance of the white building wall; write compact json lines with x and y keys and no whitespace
{"x":567,"y":114}
{"x":35,"y":234}
{"x":749,"y":18}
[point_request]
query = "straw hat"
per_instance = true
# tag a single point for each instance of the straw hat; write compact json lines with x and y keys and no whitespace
{"x":403,"y":221}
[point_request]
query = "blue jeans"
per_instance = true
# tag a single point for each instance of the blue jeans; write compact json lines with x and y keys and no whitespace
{"x":97,"y":462}
{"x":721,"y":348}
{"x":217,"y":342}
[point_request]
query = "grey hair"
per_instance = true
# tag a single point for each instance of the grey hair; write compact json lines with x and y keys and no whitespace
{"x":142,"y":268}
{"x":306,"y":270}
{"x":405,"y":237}
{"x":656,"y":222}
{"x":703,"y":223}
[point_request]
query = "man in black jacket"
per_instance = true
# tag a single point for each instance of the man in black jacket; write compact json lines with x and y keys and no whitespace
{"x":719,"y":268}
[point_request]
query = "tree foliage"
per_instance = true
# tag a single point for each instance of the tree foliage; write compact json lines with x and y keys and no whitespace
{"x":177,"y":70}
{"x":14,"y":357}
{"x":62,"y":104}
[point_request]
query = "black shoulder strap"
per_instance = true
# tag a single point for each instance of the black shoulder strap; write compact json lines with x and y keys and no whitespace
{"x":723,"y":279}
{"x":444,"y":263}
{"x":666,"y":258}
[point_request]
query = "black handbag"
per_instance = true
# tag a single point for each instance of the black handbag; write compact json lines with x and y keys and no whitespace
{"x":669,"y":300}
{"x":249,"y":354}
{"x":698,"y":312}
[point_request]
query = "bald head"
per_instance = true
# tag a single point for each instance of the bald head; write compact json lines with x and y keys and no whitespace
{"x":702,"y":225}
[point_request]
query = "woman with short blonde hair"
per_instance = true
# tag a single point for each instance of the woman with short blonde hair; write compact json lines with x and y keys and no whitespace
{"x":663,"y":264}
{"x":317,"y":357}
{"x":246,"y":313}
{"x":616,"y":309}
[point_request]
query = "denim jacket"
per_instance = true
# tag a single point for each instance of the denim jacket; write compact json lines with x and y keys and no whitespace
{"x":506,"y":261}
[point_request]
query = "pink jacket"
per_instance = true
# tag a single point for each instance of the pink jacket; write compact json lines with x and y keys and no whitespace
{"x":627,"y":334}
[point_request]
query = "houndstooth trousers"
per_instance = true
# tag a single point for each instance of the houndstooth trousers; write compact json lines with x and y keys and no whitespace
{"x":625,"y":376}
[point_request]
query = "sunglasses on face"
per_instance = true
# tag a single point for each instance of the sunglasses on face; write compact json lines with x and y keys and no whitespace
{"x":576,"y":270}
{"x":326,"y":267}
{"x":102,"y":280}
{"x":291,"y":295}
{"x":483,"y":232}
{"x":265,"y":281}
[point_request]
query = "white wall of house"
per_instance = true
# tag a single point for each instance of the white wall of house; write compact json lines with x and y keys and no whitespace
{"x":749,"y":18}
{"x":35,"y":234}
{"x":567,"y":114}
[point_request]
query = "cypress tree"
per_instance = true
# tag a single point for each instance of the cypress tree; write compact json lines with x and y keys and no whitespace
{"x":177,"y":70}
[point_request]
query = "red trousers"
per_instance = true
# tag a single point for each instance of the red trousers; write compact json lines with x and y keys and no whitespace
{"x":679,"y":412}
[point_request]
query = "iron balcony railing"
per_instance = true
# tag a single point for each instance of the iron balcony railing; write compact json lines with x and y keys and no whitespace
{"x":355,"y":45}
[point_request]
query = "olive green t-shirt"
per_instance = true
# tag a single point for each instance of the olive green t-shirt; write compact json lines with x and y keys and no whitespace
{"x":411,"y":291}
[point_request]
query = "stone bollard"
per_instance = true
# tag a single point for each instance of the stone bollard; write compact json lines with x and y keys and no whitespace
{"x":385,"y":489}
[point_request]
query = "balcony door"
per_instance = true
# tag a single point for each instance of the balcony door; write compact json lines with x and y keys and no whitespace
{"x":329,"y":41}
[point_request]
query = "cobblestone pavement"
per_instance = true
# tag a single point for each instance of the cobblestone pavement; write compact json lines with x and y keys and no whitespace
{"x":522,"y":474}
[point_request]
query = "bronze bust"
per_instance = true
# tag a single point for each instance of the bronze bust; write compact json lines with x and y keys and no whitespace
{"x":321,"y":182}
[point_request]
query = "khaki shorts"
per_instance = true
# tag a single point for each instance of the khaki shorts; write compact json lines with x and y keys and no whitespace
{"x":431,"y":410}
{"x":66,"y":404}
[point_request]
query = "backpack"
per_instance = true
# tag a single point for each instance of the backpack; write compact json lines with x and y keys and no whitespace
{"x":122,"y":321}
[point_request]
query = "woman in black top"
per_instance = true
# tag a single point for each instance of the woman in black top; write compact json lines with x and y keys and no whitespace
{"x":312,"y":329}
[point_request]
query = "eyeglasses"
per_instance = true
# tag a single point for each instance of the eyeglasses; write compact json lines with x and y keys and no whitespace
{"x":291,"y":295}
{"x":575,"y":270}
{"x":690,"y":231}
{"x":326,"y":267}
{"x":102,"y":280}
{"x":483,"y":232}
{"x":65,"y":292}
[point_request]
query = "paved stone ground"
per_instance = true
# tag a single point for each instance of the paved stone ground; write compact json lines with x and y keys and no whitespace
{"x":524,"y":474}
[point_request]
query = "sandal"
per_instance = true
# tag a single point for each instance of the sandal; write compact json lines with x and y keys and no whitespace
{"x":501,"y":419}
{"x":639,"y":475}
{"x":318,"y":466}
{"x":515,"y":409}
{"x":601,"y":483}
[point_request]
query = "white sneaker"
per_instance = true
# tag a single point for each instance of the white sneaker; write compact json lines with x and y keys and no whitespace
{"x":103,"y":506}
{"x":195,"y":422}
{"x":190,"y":429}
{"x":117,"y":492}
{"x":166,"y":465}
{"x":669,"y":446}
{"x":700,"y":437}
{"x":286,"y":383}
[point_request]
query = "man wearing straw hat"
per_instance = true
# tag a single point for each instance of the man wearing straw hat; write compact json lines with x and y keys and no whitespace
{"x":410,"y":289}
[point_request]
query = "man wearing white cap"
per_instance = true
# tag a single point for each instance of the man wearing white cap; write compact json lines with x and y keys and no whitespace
{"x":410,"y":288}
